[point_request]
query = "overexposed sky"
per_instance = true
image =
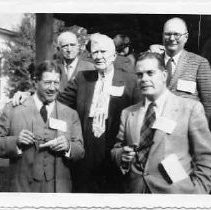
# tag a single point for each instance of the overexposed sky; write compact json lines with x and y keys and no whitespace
{"x":10,"y":21}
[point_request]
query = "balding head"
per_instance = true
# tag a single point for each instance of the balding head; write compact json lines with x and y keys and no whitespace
{"x":176,"y":24}
{"x":175,"y":36}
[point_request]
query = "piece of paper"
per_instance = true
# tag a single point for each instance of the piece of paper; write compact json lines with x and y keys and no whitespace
{"x":174,"y":168}
{"x":58,"y":124}
{"x":164,"y":124}
{"x":186,"y":86}
{"x":116,"y":91}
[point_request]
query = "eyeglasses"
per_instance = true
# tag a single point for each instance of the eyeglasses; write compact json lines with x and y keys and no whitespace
{"x":177,"y":36}
{"x":48,"y":83}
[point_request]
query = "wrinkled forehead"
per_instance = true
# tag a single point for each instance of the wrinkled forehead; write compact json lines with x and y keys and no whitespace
{"x":67,"y":39}
{"x":102,"y":43}
{"x":176,"y":25}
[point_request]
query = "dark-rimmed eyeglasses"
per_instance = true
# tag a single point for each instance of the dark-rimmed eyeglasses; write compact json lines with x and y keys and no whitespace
{"x":177,"y":36}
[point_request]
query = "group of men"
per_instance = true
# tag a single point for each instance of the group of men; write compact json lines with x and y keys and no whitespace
{"x":110,"y":131}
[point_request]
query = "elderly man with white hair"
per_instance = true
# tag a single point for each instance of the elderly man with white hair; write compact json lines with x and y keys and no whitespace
{"x":99,"y":96}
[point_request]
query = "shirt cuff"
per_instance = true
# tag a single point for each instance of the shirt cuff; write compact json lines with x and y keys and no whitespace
{"x":19,"y":151}
{"x":67,"y":154}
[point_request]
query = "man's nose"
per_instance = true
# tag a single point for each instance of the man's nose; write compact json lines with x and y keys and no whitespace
{"x":99,"y":55}
{"x":172,"y":37}
{"x":144,"y":77}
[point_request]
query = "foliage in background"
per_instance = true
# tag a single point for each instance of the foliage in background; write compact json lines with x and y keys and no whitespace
{"x":19,"y":57}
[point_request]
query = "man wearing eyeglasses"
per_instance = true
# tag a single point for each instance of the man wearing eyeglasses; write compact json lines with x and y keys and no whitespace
{"x":189,"y":75}
{"x":41,"y":137}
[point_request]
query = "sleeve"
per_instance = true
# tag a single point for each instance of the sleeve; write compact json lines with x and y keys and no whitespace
{"x":117,"y":150}
{"x":8,"y":145}
{"x":204,"y":86}
{"x":200,"y":148}
{"x":77,"y":145}
{"x":69,"y":94}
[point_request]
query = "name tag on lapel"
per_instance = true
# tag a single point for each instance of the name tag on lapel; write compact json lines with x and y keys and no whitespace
{"x":187,"y":86}
{"x":164,"y":124}
{"x":174,"y":168}
{"x":116,"y":91}
{"x":58,"y":124}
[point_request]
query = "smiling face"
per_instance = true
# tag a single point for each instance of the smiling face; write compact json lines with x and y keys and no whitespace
{"x":175,"y":36}
{"x":103,"y":52}
{"x":48,"y":86}
{"x":151,"y":79}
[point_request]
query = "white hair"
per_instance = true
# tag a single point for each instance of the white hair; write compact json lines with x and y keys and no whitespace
{"x":101,"y":38}
{"x":65,"y":35}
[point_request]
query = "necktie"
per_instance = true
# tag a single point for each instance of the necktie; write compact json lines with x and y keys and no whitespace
{"x":69,"y":71}
{"x":146,"y":137}
{"x":44,"y":113}
{"x":170,"y":70}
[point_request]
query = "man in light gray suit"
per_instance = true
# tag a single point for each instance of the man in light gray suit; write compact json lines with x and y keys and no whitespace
{"x":41,"y":137}
{"x":166,"y":149}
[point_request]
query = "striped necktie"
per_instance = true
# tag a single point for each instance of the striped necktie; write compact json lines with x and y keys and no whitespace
{"x":170,"y":70}
{"x":147,"y":134}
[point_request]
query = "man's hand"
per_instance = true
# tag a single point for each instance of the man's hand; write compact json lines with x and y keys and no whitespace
{"x":25,"y":137}
{"x":20,"y":97}
{"x":157,"y":48}
{"x":128,"y":154}
{"x":58,"y":144}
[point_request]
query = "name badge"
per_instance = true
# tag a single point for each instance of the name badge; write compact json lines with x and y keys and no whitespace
{"x":116,"y":91}
{"x":174,"y":168}
{"x":186,"y":86}
{"x":164,"y":124}
{"x":58,"y":124}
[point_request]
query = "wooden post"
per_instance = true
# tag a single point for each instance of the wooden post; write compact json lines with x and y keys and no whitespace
{"x":44,"y":37}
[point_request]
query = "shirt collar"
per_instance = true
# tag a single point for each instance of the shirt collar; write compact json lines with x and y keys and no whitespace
{"x":39,"y":104}
{"x":73,"y":64}
{"x":108,"y":76}
{"x":159,"y":102}
{"x":176,"y":57}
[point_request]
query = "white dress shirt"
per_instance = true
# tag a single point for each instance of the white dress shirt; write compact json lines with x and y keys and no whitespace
{"x":160,"y":102}
{"x":69,"y":69}
{"x":174,"y":62}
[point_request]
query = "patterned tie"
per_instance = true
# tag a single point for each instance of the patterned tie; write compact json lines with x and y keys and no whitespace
{"x":44,"y":113}
{"x":169,"y":69}
{"x":147,"y":134}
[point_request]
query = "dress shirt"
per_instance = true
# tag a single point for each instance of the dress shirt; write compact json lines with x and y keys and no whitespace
{"x":39,"y":104}
{"x":71,"y":66}
{"x":175,"y":60}
{"x":160,"y":102}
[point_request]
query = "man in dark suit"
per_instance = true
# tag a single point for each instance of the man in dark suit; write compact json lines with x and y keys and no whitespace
{"x":69,"y":59}
{"x":99,"y":96}
{"x":164,"y":143}
{"x":189,"y":74}
{"x":41,"y":137}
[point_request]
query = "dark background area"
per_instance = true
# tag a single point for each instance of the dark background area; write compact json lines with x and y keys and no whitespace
{"x":143,"y":29}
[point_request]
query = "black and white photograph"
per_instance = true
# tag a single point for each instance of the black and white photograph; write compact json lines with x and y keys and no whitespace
{"x":105,"y":104}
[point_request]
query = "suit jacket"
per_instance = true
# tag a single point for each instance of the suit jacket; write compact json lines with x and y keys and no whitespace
{"x":81,"y":66}
{"x":192,"y":67}
{"x":78,"y":95}
{"x":27,"y":167}
{"x":190,"y":141}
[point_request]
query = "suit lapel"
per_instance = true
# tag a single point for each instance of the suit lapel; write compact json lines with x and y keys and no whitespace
{"x":159,"y":148}
{"x":179,"y":69}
